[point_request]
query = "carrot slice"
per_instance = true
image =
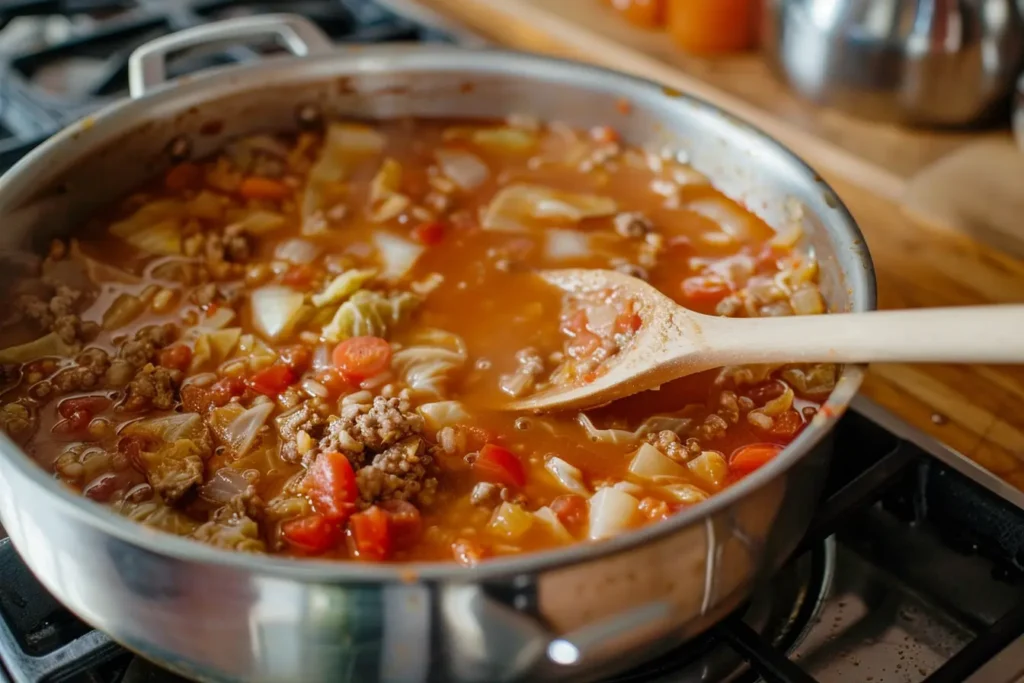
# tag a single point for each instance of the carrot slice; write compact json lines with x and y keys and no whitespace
{"x":362,"y":357}
{"x":257,"y":187}
{"x":749,"y":458}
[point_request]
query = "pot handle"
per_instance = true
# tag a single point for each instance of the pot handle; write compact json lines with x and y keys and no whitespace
{"x":147,"y":66}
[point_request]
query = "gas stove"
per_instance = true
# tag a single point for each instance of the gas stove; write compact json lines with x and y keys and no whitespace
{"x":913,"y":570}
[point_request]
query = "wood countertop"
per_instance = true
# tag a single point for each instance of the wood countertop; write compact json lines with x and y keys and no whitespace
{"x":977,"y":411}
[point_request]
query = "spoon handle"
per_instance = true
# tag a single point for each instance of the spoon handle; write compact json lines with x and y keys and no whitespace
{"x":968,"y":334}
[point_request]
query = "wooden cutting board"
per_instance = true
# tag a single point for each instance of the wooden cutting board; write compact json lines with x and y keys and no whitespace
{"x":931,"y":205}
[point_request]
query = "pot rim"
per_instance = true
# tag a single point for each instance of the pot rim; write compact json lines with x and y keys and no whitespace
{"x":530,"y":67}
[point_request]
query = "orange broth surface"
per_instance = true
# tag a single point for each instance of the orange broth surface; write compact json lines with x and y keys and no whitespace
{"x":195,"y":372}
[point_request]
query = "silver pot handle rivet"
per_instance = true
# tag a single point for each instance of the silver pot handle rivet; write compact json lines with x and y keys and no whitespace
{"x":147,"y":66}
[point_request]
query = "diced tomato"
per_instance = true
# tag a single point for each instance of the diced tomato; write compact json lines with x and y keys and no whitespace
{"x":571,"y":510}
{"x":429,"y":233}
{"x":787,"y":425}
{"x":766,"y":391}
{"x":297,"y":357}
{"x":359,"y":358}
{"x":575,"y":323}
{"x":468,"y":553}
{"x":183,"y":176}
{"x":93,"y":405}
{"x":76,"y":423}
{"x":300,"y":276}
{"x":226,"y":388}
{"x":333,"y":381}
{"x":705,"y":289}
{"x":583,"y":344}
{"x":177,"y":357}
{"x":628,"y":323}
{"x":604,"y":134}
{"x":655,"y":509}
{"x":746,"y":459}
{"x":405,"y":521}
{"x":499,"y":465}
{"x":330,"y":483}
{"x":312,"y":534}
{"x":371,"y":533}
{"x":256,"y":187}
{"x":272,"y":381}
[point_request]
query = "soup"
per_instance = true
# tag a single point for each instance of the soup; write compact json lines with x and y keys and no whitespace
{"x":295,"y":347}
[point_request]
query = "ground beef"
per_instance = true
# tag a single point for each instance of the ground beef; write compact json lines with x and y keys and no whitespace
{"x":153,"y":387}
{"x":632,"y":225}
{"x":18,"y":420}
{"x":713,"y":427}
{"x":668,"y":443}
{"x":174,"y":468}
{"x":308,"y":418}
{"x":143,"y":347}
{"x":729,"y":407}
{"x":45,"y":310}
{"x":75,"y":379}
{"x":404,"y":471}
{"x":374,"y":428}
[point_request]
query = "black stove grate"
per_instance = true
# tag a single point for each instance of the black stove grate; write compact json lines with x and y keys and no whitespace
{"x":43,"y":88}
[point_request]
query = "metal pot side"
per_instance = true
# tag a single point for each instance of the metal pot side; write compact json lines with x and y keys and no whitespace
{"x":575,"y":613}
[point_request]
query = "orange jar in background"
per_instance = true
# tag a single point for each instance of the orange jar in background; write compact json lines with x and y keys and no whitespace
{"x":713,"y":26}
{"x":646,"y":13}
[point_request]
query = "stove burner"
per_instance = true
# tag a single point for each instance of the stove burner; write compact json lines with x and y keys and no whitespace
{"x":62,"y":59}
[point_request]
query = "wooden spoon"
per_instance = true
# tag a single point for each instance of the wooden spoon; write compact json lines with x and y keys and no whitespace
{"x":674,"y":341}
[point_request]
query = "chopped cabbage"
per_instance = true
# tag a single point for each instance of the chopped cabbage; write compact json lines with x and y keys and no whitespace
{"x":522,"y":207}
{"x":276,"y":310}
{"x":342,"y":287}
{"x":155,"y":227}
{"x":463,"y":168}
{"x":651,"y":425}
{"x":710,"y":467}
{"x":97,"y":271}
{"x":397,"y":255}
{"x":386,"y":202}
{"x":567,"y":475}
{"x":369,"y":313}
{"x":156,"y":514}
{"x":428,"y":363}
{"x":297,"y":251}
{"x":649,"y":462}
{"x":237,"y":427}
{"x":565,"y":245}
{"x":213,"y":347}
{"x":48,"y":346}
{"x":345,"y":145}
{"x":510,"y":521}
{"x":260,"y":222}
{"x":443,"y":414}
{"x":611,"y":512}
{"x":495,"y":139}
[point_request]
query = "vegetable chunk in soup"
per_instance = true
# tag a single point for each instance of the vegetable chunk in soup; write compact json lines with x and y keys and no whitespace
{"x":285,"y":348}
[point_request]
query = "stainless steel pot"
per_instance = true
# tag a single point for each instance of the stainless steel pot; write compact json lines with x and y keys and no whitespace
{"x":922,"y":62}
{"x":575,"y":613}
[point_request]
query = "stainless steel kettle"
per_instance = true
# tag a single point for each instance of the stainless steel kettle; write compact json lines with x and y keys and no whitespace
{"x":923,"y":62}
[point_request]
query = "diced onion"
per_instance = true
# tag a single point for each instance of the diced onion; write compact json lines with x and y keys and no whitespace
{"x":510,"y":521}
{"x":442,"y":414}
{"x":275,"y":309}
{"x":558,"y":530}
{"x":601,"y":320}
{"x":649,"y":462}
{"x":807,"y":301}
{"x":464,"y":169}
{"x":397,"y":255}
{"x":729,"y":217}
{"x":298,"y":251}
{"x":567,"y":475}
{"x":565,"y":245}
{"x":685,"y":493}
{"x":710,"y":467}
{"x":629,"y":487}
{"x":611,"y":512}
{"x":224,"y":485}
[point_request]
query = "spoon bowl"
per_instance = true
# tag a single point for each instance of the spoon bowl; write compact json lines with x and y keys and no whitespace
{"x":673,"y":341}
